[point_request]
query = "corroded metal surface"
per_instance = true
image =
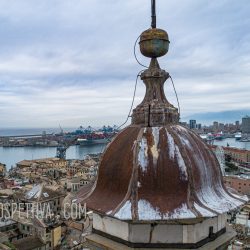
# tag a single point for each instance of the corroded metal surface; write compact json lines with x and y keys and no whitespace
{"x":116,"y":166}
{"x":155,"y":110}
{"x":160,"y":173}
{"x":157,"y":170}
{"x":154,"y":43}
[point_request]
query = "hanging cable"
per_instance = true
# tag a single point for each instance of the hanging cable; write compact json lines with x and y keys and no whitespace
{"x":132,"y":104}
{"x":176,"y":95}
{"x":133,"y":100}
{"x":135,"y":53}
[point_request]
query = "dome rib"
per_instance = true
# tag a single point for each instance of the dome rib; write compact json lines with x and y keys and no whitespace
{"x":115,"y":172}
{"x":200,"y":208}
{"x":191,"y":193}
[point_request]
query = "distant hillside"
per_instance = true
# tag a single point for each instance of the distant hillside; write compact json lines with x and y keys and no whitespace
{"x":222,"y":116}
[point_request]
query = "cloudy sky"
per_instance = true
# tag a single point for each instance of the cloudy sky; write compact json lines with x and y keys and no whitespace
{"x":70,"y":62}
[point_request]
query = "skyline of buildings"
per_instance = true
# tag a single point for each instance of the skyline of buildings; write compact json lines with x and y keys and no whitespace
{"x":216,"y":126}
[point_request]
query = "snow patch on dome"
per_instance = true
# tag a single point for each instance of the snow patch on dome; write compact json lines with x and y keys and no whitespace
{"x":171,"y":145}
{"x":175,"y":152}
{"x":124,"y":212}
{"x":185,"y":141}
{"x":143,"y":154}
{"x":242,"y":197}
{"x":214,"y":197}
{"x":154,"y":148}
{"x":183,"y":212}
{"x":220,"y":204}
{"x":155,"y":132}
{"x":147,"y":212}
{"x":233,"y":202}
{"x":181,"y":163}
{"x":181,"y":128}
{"x":182,"y":136}
{"x":203,"y":211}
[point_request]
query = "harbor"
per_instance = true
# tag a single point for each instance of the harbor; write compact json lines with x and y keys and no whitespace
{"x":80,"y":136}
{"x":231,"y":142}
{"x":28,"y":144}
{"x":19,"y":144}
{"x":11,"y":155}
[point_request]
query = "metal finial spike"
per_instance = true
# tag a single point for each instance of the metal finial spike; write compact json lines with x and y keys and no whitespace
{"x":153,"y":24}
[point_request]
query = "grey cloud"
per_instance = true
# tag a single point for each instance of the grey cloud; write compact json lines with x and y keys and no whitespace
{"x":71,"y":62}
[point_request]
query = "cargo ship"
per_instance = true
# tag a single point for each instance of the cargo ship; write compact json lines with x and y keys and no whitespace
{"x":88,"y":142}
{"x":94,"y":138}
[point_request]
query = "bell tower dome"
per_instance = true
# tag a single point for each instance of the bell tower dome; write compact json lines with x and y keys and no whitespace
{"x":159,"y":185}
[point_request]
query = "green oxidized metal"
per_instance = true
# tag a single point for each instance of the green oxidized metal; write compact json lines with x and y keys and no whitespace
{"x":154,"y":43}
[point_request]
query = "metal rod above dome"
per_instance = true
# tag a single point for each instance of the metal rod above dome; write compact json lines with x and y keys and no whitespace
{"x":153,"y":11}
{"x":154,"y":42}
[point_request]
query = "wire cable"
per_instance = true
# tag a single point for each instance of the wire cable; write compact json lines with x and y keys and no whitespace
{"x":136,"y":82}
{"x":132,"y":104}
{"x":135,"y":53}
{"x":133,"y":100}
{"x":176,"y":95}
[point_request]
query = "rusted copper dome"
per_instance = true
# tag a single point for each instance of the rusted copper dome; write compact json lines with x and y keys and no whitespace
{"x":156,"y":169}
{"x":159,"y":173}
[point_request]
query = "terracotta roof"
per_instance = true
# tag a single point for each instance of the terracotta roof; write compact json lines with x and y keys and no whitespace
{"x":28,"y":243}
{"x":45,"y":160}
{"x":238,"y":150}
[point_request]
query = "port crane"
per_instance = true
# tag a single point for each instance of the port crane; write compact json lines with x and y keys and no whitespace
{"x":63,"y":145}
